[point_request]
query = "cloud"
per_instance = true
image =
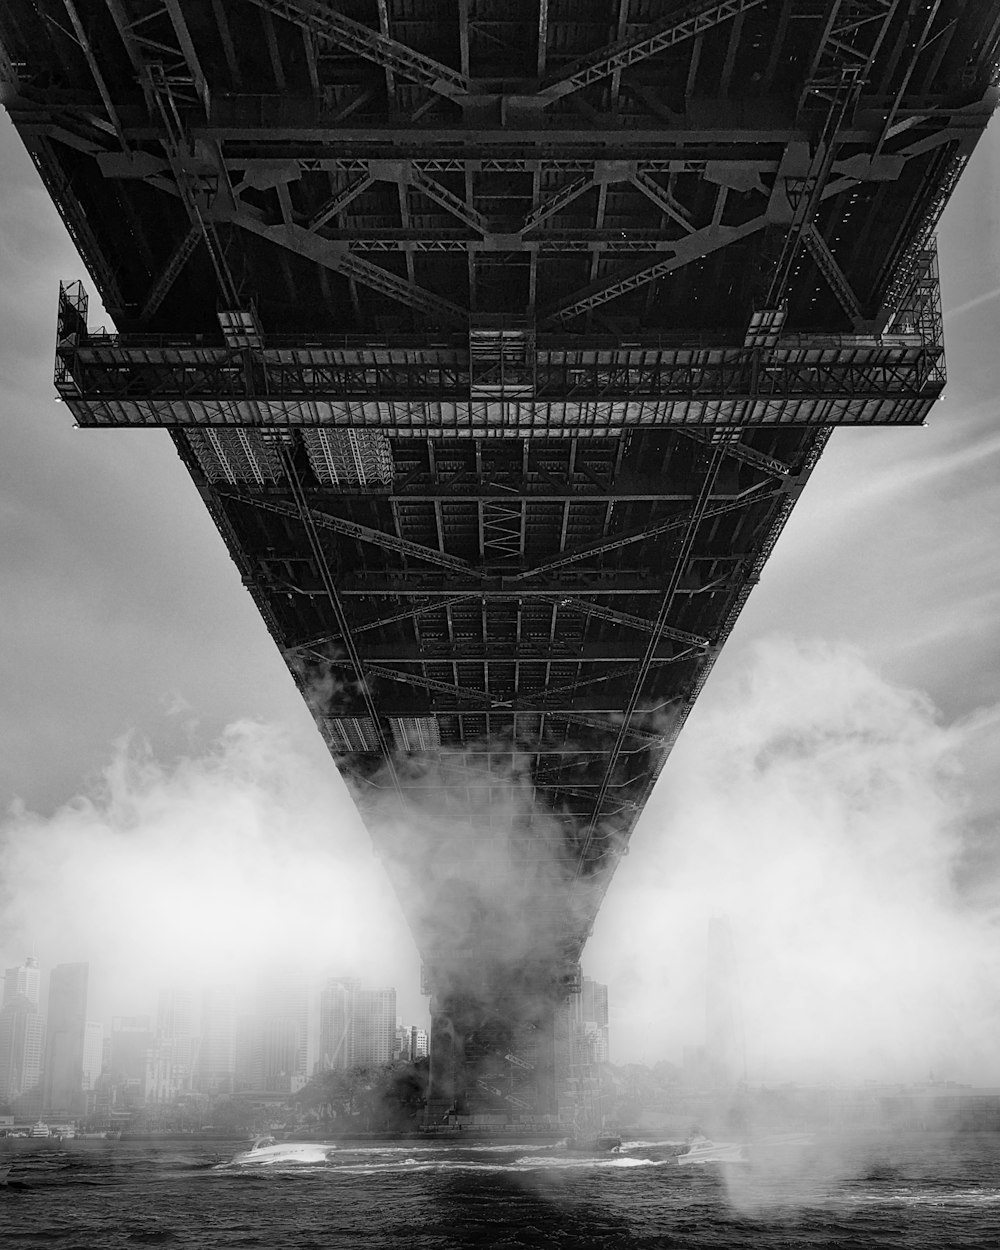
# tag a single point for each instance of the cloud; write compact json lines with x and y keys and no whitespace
{"x":824,"y":812}
{"x":210,"y":869}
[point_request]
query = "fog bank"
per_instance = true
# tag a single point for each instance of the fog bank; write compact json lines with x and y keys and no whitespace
{"x":848,"y":836}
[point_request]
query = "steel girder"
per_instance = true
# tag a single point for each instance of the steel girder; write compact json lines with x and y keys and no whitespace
{"x":389,"y":54}
{"x":112,"y":370}
{"x":396,"y":58}
{"x":694,"y":19}
{"x":170,"y":272}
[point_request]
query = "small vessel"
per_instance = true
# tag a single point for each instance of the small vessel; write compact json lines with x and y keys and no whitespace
{"x":267,"y":1150}
{"x":704,"y":1150}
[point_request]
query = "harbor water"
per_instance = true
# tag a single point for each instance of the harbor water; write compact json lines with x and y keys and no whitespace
{"x":929,"y":1190}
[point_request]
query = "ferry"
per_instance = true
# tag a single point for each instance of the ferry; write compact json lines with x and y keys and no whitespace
{"x":40,"y":1130}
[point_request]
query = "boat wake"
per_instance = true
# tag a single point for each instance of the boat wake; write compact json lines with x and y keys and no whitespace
{"x":268,"y":1152}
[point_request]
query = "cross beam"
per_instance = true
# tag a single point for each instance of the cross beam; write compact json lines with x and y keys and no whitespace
{"x":340,"y":259}
{"x":364,"y":533}
{"x":692,"y":21}
{"x":826,"y":263}
{"x":333,"y":28}
{"x":751,"y":495}
{"x":170,"y":272}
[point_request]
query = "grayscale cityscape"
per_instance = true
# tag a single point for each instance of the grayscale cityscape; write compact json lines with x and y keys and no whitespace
{"x":487,"y":490}
{"x":217,"y":1060}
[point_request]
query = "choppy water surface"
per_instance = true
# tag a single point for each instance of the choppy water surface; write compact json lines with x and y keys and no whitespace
{"x":932,"y":1192}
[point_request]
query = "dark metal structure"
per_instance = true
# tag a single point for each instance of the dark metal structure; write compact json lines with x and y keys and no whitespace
{"x":499,"y":339}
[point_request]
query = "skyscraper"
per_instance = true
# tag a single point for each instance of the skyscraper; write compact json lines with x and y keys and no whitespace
{"x":336,"y":1011}
{"x":21,"y":1049}
{"x":374,"y":1026}
{"x":590,"y":1016}
{"x":64,"y":1044}
{"x":357,"y":1026}
{"x":93,"y":1054}
{"x":274,"y":1050}
{"x":217,"y":1052}
{"x":132,"y":1039}
{"x":176,"y":1034}
{"x":25,"y":980}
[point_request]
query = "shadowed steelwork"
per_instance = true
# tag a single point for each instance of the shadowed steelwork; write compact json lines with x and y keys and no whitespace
{"x":499,"y":343}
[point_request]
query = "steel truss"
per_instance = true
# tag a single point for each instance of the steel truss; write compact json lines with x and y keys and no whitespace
{"x":126,"y":381}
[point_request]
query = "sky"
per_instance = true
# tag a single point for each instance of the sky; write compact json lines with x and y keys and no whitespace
{"x":167,"y":807}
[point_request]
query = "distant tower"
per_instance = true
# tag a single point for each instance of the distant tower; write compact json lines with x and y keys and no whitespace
{"x":22,"y":1033}
{"x":589,"y":1010}
{"x":281,"y":1031}
{"x":25,"y":980}
{"x":357,"y":1027}
{"x":65,"y":1038}
{"x":723,"y":1016}
{"x":374,"y":1026}
{"x":336,"y":1015}
{"x":93,"y":1055}
{"x":217,"y":1053}
{"x":176,"y":1036}
{"x":132,"y":1041}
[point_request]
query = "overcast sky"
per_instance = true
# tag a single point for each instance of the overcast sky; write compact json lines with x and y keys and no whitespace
{"x":834,"y":794}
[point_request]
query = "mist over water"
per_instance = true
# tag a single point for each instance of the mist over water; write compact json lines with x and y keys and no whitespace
{"x":488,"y":874}
{"x":842,"y":829}
{"x":213,"y":869}
{"x":832,"y":818}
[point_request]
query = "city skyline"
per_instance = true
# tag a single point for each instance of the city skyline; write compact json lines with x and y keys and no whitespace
{"x":214,"y":1041}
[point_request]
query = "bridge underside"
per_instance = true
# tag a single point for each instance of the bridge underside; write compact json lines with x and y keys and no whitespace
{"x":499,"y":344}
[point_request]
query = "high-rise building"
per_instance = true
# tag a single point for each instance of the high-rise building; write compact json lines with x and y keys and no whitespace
{"x":248,"y":1065}
{"x":272,"y":1044}
{"x":336,"y":1012}
{"x":279,"y":1055}
{"x":24,"y":980}
{"x":589,"y":1013}
{"x":132,"y":1039}
{"x":374,"y":1026}
{"x":419,"y":1043}
{"x":22,"y":1032}
{"x":160,"y":1080}
{"x":217,"y":1051}
{"x":176,"y":1033}
{"x":93,"y":1054}
{"x":63,"y":1093}
{"x":357,"y":1026}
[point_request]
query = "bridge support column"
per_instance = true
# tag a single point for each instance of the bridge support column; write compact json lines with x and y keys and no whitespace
{"x":445,"y":1092}
{"x":499,"y":1063}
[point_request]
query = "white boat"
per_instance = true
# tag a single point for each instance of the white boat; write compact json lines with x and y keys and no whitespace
{"x":704,"y":1150}
{"x":266,"y":1150}
{"x":40,"y":1130}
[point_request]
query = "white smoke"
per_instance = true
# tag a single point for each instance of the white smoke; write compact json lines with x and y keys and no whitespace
{"x":210,"y":870}
{"x":825,"y":812}
{"x":845,"y":832}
